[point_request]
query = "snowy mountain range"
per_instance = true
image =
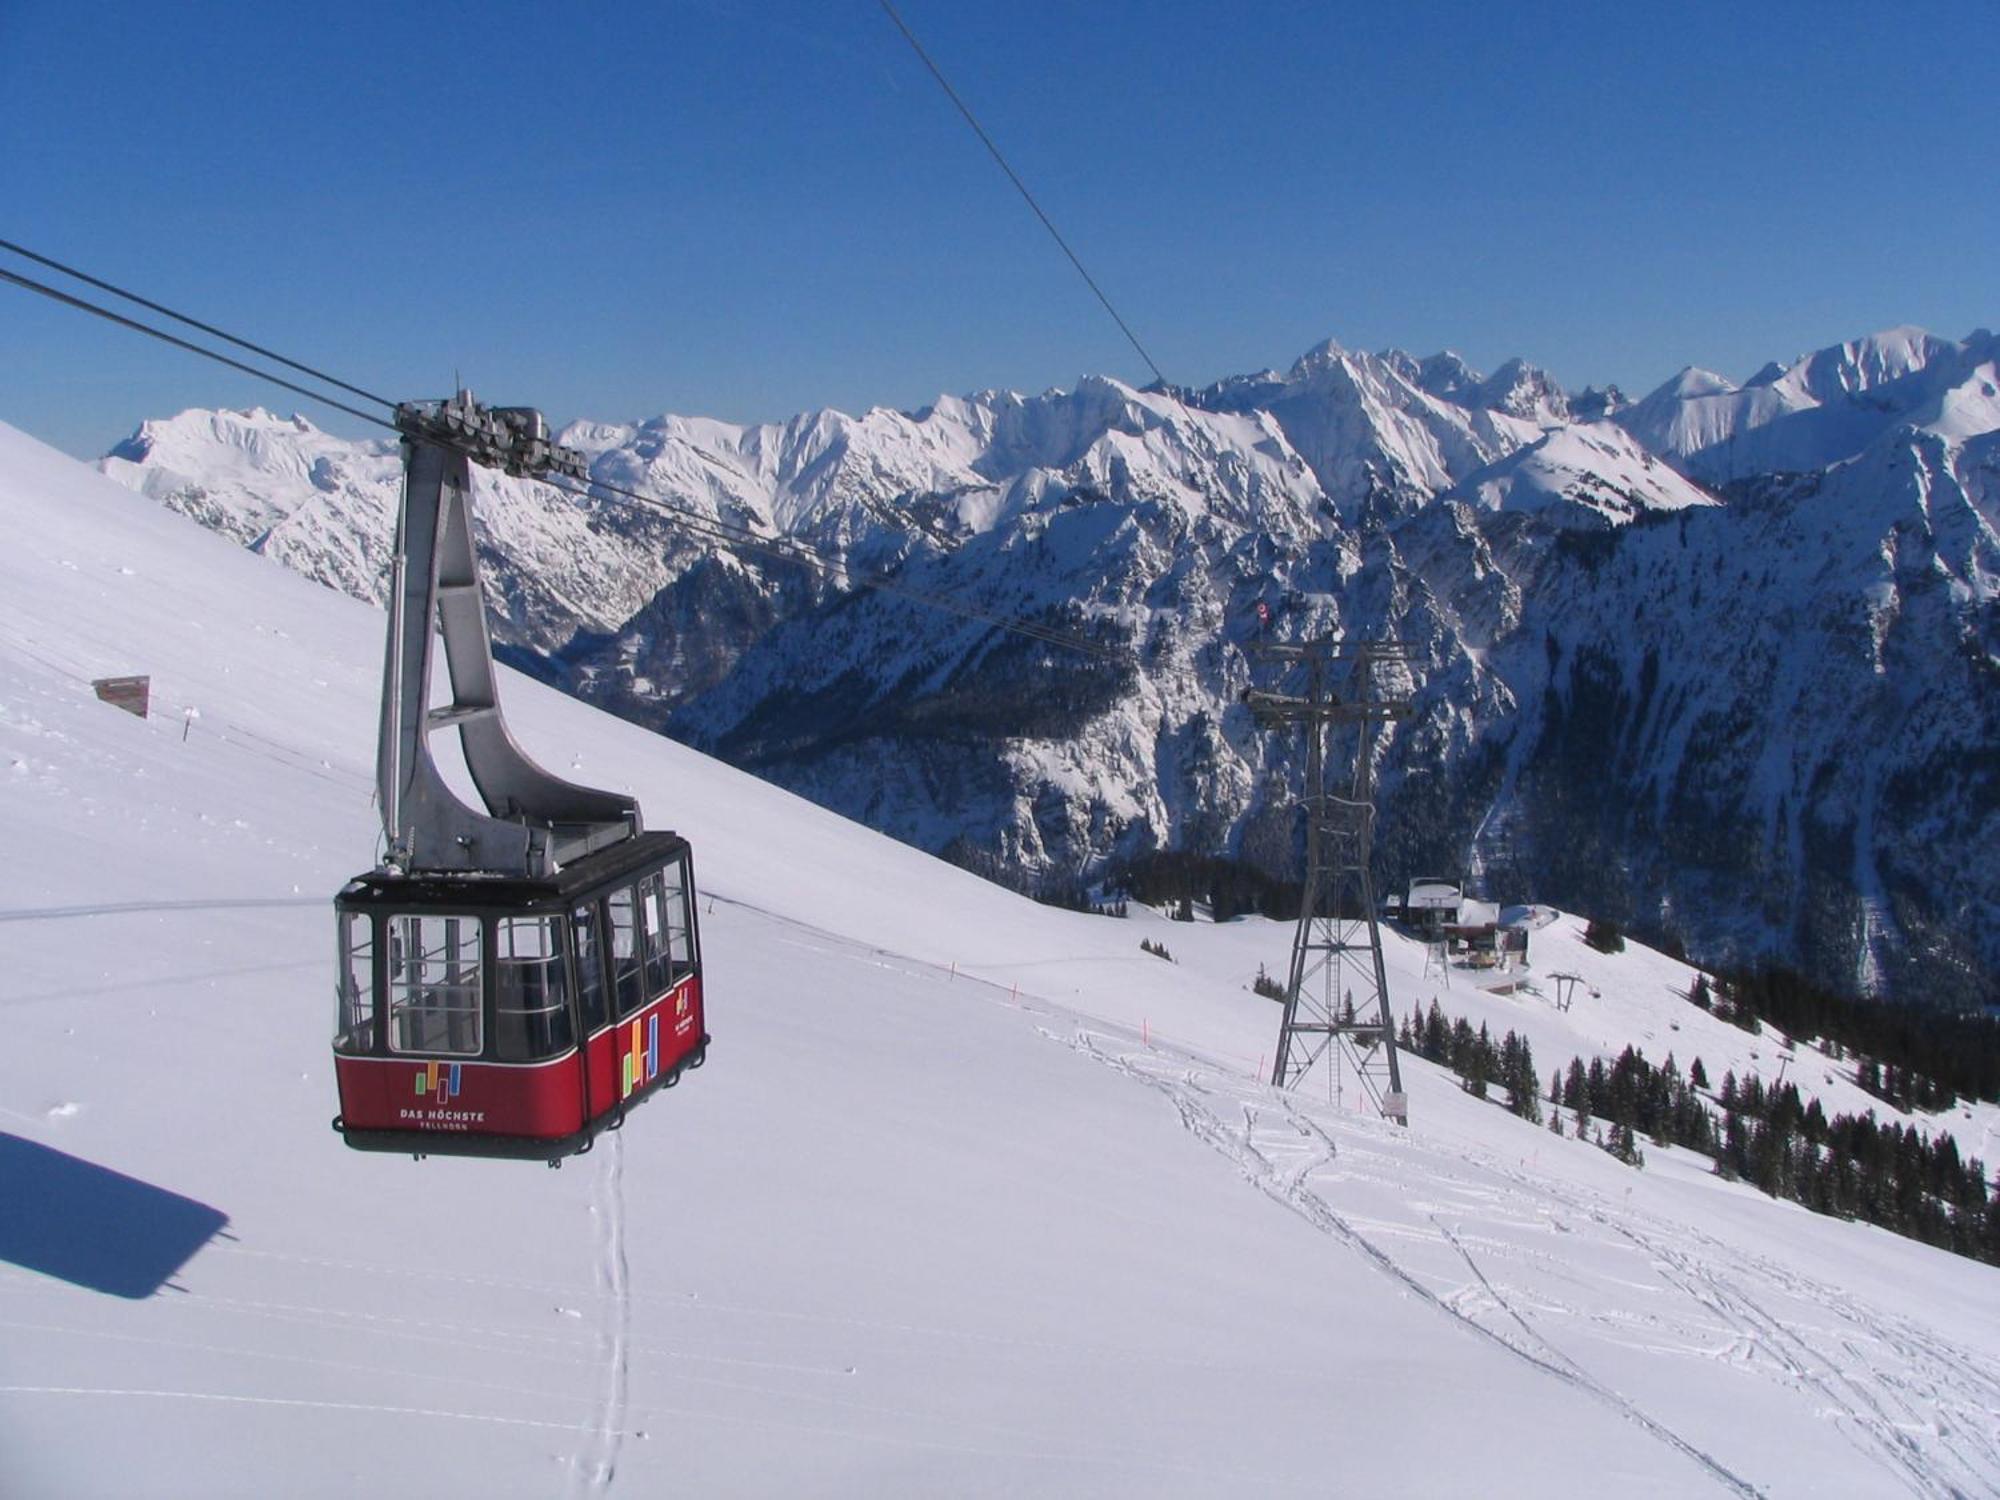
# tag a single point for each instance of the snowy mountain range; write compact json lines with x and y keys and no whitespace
{"x":974,"y":1197}
{"x":1719,"y":663}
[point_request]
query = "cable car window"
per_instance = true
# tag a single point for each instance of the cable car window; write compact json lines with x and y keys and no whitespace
{"x":626,"y":961}
{"x":434,"y":985}
{"x":590,"y":967}
{"x":355,"y":1032}
{"x":680,"y":942}
{"x":659,"y":960}
{"x":530,"y":989}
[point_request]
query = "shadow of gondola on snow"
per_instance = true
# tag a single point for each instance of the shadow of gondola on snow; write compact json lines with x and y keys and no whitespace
{"x":93,"y":1227}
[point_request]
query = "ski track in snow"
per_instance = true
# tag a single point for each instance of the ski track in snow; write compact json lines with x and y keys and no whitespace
{"x":122,"y":908}
{"x":984,"y":1440}
{"x":244,"y":1400}
{"x":248,"y":1354}
{"x":1881,"y":1418}
{"x":981,"y":1345}
{"x":1289,"y":1189}
{"x":595,"y":1468}
{"x":1931,"y":1390}
{"x":1861,"y":1418}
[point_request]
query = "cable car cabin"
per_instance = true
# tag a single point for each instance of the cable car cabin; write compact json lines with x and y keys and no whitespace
{"x":514,"y":976}
{"x":501,"y":1016}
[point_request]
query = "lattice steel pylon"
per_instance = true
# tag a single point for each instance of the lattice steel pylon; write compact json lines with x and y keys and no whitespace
{"x":1437,"y":956}
{"x":1337,"y":998}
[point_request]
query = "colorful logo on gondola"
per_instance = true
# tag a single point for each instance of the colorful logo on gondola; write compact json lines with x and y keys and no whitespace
{"x":438,"y":1082}
{"x":642,"y":1054}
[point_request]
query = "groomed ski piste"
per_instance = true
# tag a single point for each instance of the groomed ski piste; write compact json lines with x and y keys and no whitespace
{"x":974,"y":1197}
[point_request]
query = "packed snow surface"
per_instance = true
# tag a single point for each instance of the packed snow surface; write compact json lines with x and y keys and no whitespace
{"x":973,"y":1196}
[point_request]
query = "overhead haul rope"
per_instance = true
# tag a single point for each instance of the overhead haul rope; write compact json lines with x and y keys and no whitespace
{"x":180,"y":343}
{"x":1022,"y":188}
{"x":134,"y":297}
{"x":705,"y":527}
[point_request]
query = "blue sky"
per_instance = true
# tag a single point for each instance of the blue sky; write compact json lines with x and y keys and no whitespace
{"x":745,"y":210}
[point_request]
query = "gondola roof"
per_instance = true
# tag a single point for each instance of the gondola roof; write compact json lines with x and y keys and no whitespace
{"x":418,"y":888}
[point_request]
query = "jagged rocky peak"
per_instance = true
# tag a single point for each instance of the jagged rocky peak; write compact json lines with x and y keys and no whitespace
{"x":1516,"y":389}
{"x":1593,"y":405}
{"x":1523,"y":390}
{"x":1327,"y":367}
{"x":1445,"y":374}
{"x":1330,"y":369}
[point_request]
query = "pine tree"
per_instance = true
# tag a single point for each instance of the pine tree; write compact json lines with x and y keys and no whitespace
{"x":1521,"y":1080}
{"x":1603,"y":935}
{"x":1576,"y":1088}
{"x":1732,"y":1159}
{"x":1479,"y":1062}
{"x":1869,"y":1076}
{"x":1436,"y":1047}
{"x":1459,"y":1050}
{"x":1625,"y":1145}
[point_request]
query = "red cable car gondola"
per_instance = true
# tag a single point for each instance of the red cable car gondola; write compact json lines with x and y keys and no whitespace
{"x":511,"y":982}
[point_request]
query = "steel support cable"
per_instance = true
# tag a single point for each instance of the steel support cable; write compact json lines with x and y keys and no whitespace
{"x":179,"y":317}
{"x":1022,"y":188}
{"x":180,"y":343}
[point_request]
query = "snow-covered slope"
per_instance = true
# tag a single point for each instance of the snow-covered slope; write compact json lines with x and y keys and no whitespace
{"x":972,"y":1198}
{"x":1596,"y":468}
{"x":1821,"y":409}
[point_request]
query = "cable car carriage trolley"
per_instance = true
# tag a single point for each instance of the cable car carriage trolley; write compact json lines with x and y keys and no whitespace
{"x":513,"y":981}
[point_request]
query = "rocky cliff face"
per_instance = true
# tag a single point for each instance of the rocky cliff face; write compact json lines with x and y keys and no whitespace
{"x":1721,"y":663}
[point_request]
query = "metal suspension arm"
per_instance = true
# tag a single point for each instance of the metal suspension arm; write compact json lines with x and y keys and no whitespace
{"x":534,"y":822}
